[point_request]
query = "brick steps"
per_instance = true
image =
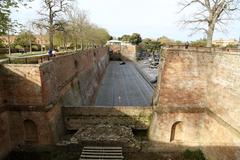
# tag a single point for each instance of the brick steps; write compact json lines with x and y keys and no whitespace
{"x":101,"y":153}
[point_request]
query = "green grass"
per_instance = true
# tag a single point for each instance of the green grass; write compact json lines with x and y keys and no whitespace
{"x":3,"y":56}
{"x":28,"y":54}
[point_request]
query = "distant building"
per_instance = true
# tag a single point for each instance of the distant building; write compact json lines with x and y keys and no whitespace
{"x":224,"y":43}
{"x":114,"y":42}
{"x":5,"y":39}
{"x":40,"y":39}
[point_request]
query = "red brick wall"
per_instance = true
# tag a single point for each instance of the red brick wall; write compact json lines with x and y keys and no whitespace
{"x":5,"y":146}
{"x":38,"y":92}
{"x":182,"y":79}
{"x":21,"y":84}
{"x":224,"y":88}
{"x":75,"y":77}
{"x":198,"y":79}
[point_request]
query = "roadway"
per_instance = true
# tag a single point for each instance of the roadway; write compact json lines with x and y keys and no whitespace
{"x":123,"y":85}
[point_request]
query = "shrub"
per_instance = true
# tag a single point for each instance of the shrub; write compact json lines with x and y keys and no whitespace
{"x":35,"y":48}
{"x":18,"y":47}
{"x":193,"y":155}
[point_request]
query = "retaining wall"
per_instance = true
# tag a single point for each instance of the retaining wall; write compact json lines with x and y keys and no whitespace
{"x":130,"y":116}
{"x":200,"y":80}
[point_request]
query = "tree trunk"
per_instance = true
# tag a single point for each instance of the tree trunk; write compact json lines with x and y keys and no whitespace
{"x":210,"y":31}
{"x":9,"y":44}
{"x":30,"y":46}
{"x":50,"y":39}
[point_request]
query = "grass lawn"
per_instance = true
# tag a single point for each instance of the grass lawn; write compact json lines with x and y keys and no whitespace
{"x":28,"y":54}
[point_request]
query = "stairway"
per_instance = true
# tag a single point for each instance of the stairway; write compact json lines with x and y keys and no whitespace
{"x":102,"y":153}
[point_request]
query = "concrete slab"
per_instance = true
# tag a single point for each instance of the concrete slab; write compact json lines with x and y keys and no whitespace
{"x":123,"y":85}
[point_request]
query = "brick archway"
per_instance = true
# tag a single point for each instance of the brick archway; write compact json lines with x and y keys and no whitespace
{"x":176,"y":131}
{"x":30,"y":132}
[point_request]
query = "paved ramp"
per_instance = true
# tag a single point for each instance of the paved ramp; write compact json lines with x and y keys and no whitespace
{"x":123,"y":85}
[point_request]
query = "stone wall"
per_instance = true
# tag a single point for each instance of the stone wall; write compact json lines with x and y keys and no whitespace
{"x":197,"y":98}
{"x":130,"y":116}
{"x":32,"y":96}
{"x":182,"y":78}
{"x":74,"y":78}
{"x":129,"y":52}
{"x":21,"y":84}
{"x":223,"y":91}
{"x":5,"y":142}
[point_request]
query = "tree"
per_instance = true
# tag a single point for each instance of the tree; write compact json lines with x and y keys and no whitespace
{"x":209,"y":15}
{"x":5,"y":11}
{"x":83,"y":32}
{"x":151,"y":46}
{"x":199,"y":43}
{"x":125,"y":38}
{"x":50,"y":13}
{"x":78,"y":25}
{"x":135,"y":38}
{"x":25,"y":39}
{"x":165,"y":40}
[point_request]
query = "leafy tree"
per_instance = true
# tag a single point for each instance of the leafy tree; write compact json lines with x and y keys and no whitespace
{"x":151,"y":46}
{"x":179,"y":42}
{"x":82,"y":32}
{"x":199,"y":43}
{"x":125,"y":38}
{"x":1,"y":43}
{"x":209,"y":15}
{"x":5,"y":11}
{"x":165,"y":40}
{"x":135,"y":38}
{"x":25,"y":39}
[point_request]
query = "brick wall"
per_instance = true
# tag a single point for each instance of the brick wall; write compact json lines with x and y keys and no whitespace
{"x":35,"y":94}
{"x":5,"y":146}
{"x":182,"y":79}
{"x":224,"y":88}
{"x":74,"y":78}
{"x":208,"y":84}
{"x":129,"y":52}
{"x":21,"y":84}
{"x":130,"y":116}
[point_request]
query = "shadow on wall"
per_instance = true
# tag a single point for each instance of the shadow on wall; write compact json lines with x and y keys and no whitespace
{"x":25,"y":119}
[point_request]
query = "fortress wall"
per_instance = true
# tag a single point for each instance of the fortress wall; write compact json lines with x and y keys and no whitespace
{"x":21,"y":84}
{"x":182,"y":79}
{"x":129,"y":52}
{"x":35,"y":94}
{"x":197,"y":78}
{"x":194,"y":80}
{"x":1,"y":93}
{"x":137,"y":117}
{"x":74,"y":78}
{"x":5,"y":146}
{"x":223,"y":89}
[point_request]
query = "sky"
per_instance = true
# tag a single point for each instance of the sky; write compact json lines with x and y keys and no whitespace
{"x":150,"y":18}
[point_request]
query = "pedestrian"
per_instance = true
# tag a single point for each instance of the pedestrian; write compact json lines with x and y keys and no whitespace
{"x":50,"y":54}
{"x":186,"y":45}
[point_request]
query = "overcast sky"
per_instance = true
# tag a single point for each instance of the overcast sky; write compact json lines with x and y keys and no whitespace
{"x":150,"y":18}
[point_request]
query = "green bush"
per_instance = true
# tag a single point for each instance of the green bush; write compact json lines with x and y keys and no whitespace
{"x":35,"y":47}
{"x":18,"y":47}
{"x":193,"y":155}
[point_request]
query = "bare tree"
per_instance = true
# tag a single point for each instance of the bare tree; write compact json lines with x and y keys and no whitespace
{"x":209,"y":15}
{"x":51,"y":13}
{"x":78,"y":24}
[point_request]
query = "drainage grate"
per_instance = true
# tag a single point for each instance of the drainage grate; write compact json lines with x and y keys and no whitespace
{"x":102,"y":153}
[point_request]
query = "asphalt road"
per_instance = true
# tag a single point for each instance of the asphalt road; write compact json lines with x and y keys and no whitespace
{"x":123,"y":85}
